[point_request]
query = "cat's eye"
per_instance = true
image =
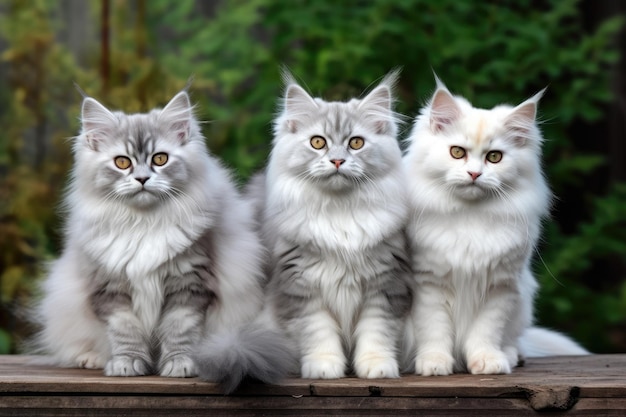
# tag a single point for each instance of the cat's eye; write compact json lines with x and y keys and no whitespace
{"x":159,"y":159}
{"x":356,"y":143}
{"x":318,"y":142}
{"x":494,"y":156}
{"x":457,"y":152}
{"x":122,"y":162}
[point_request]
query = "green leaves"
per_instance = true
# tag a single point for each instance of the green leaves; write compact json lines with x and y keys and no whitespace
{"x":490,"y":52}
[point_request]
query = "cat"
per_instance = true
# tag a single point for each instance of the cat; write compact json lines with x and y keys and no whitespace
{"x":333,"y":216}
{"x":161,"y":269}
{"x":477,"y":198}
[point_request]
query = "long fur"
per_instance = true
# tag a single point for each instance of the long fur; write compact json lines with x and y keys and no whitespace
{"x":157,"y":258}
{"x":539,"y":342}
{"x":334,"y":221}
{"x":255,"y":351}
{"x":473,"y":228}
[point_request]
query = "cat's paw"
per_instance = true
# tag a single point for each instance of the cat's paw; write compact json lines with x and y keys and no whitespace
{"x":488,"y":362}
{"x":513,"y":356}
{"x":376,"y":366}
{"x":434,"y":363}
{"x":90,"y":360}
{"x":122,"y":365}
{"x":179,"y":366}
{"x":323,"y":367}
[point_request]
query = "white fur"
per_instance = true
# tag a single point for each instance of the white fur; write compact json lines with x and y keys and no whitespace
{"x":472,"y":242}
{"x":538,"y":342}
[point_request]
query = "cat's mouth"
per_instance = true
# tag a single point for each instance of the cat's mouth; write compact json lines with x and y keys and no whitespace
{"x":471,"y":190}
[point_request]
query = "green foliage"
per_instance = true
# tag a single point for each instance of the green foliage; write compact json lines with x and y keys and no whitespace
{"x":490,"y":52}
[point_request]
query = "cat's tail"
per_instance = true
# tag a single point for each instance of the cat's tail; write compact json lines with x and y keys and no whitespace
{"x":252,"y":351}
{"x":537,"y":342}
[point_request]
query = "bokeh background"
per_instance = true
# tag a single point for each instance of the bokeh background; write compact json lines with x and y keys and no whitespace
{"x":134,"y":55}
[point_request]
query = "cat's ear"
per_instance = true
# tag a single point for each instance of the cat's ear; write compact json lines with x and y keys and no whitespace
{"x":97,"y":122}
{"x":378,"y":104}
{"x":444,"y":110}
{"x":297,"y":104}
{"x":177,"y":115}
{"x":521,"y":121}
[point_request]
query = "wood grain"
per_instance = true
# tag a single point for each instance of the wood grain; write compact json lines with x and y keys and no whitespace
{"x":588,"y":385}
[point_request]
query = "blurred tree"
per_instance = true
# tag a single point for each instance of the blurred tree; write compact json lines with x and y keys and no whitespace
{"x":490,"y":52}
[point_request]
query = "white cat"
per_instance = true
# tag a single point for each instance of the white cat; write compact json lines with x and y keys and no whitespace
{"x":477,"y":195}
{"x":161,"y":269}
{"x":334,"y":214}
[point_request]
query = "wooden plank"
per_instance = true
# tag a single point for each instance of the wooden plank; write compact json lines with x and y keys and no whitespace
{"x":589,"y":385}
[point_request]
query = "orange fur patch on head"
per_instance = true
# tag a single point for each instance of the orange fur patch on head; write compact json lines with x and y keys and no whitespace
{"x":480,"y":135}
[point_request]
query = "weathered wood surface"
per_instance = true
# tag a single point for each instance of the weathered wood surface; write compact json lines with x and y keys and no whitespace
{"x":591,"y":385}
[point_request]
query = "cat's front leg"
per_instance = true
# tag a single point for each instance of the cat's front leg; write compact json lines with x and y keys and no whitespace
{"x":180,"y":327}
{"x":129,"y":347}
{"x":484,"y":351}
{"x":434,"y":330}
{"x":130,"y":352}
{"x":376,"y":333}
{"x":322,"y":355}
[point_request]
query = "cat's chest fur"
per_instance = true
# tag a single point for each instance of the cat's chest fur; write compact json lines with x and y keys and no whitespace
{"x":348,"y":225}
{"x":141,"y":252}
{"x":465,"y":244}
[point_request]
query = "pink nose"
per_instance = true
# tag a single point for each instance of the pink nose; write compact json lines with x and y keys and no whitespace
{"x":474,"y":175}
{"x":337,"y":162}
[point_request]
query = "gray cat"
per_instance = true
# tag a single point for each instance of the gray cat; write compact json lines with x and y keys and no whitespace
{"x":333,"y":215}
{"x":161,"y":270}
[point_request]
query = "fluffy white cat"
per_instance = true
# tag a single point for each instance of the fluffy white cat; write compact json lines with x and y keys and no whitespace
{"x":477,"y":196}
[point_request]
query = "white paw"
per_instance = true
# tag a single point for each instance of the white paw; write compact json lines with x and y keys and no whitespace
{"x":375,"y":366}
{"x":512,"y":356}
{"x":488,"y":362}
{"x":179,"y":366}
{"x":90,"y":360}
{"x":434,"y":363}
{"x":122,"y":365}
{"x":324,"y":367}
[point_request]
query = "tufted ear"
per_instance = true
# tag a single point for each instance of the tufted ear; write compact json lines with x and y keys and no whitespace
{"x":176,"y":116}
{"x":444,"y":111}
{"x":378,"y":104}
{"x":520,"y":122}
{"x":297,"y":104}
{"x":97,"y":122}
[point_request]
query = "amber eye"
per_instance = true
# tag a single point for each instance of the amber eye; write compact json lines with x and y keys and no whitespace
{"x":318,"y":142}
{"x":457,"y":152}
{"x":159,"y":159}
{"x":356,"y":142}
{"x":122,"y":162}
{"x":494,"y":156}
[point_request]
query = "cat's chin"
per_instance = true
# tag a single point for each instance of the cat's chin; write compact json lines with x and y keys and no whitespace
{"x":143,"y":200}
{"x":338,"y":182}
{"x":471,"y":192}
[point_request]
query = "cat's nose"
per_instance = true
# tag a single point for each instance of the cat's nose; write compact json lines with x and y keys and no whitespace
{"x":142,"y":180}
{"x":337,"y":162}
{"x":474,"y":175}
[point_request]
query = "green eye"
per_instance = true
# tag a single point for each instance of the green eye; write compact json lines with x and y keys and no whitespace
{"x":494,"y":156}
{"x":457,"y":152}
{"x":159,"y":159}
{"x":122,"y":162}
{"x":318,"y":142}
{"x":356,"y":143}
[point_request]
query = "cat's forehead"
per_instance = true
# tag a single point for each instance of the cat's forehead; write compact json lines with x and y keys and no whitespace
{"x":138,"y":133}
{"x":480,"y":127}
{"x":337,"y":118}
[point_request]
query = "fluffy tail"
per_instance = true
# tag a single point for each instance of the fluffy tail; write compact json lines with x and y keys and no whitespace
{"x":538,"y":342}
{"x":250,"y":351}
